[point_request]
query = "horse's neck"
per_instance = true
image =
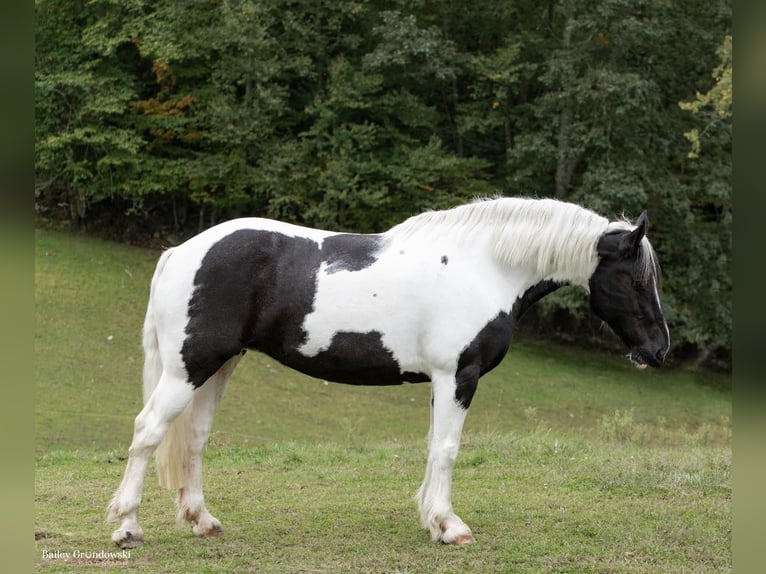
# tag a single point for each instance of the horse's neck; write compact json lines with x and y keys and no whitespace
{"x":541,"y":263}
{"x":545,"y":239}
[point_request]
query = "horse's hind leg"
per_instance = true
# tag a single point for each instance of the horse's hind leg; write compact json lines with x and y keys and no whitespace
{"x":169,"y":398}
{"x":191,"y":502}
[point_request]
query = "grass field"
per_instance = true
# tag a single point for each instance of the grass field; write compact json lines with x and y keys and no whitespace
{"x":571,"y":461}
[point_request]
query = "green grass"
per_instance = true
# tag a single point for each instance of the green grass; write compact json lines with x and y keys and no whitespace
{"x":536,"y":504}
{"x":571,"y":461}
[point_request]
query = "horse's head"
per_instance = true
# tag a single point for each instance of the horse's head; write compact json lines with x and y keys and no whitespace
{"x":624,"y":293}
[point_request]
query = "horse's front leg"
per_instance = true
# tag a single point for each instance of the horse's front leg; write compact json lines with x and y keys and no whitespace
{"x":435,"y":495}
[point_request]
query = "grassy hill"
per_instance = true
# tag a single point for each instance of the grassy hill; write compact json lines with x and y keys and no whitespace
{"x":572,"y":460}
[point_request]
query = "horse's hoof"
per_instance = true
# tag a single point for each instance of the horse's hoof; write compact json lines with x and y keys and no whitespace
{"x":458,"y":535}
{"x":462,"y":539}
{"x":209,"y":531}
{"x":127,"y":539}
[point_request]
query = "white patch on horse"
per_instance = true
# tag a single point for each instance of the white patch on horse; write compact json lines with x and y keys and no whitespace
{"x":408,"y":298}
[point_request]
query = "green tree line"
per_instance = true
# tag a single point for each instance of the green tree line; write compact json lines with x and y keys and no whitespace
{"x":166,"y":116}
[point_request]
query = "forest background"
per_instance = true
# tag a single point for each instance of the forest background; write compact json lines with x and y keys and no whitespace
{"x":154,"y":120}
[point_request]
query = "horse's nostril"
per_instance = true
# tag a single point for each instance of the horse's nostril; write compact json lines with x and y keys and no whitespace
{"x":661,"y":355}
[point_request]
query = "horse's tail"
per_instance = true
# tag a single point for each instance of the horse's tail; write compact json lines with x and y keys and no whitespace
{"x":152,"y":360}
{"x":172,"y":453}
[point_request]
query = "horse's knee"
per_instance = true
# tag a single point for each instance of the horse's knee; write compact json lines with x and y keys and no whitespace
{"x":145,"y":440}
{"x":445,"y":456}
{"x":144,"y":430}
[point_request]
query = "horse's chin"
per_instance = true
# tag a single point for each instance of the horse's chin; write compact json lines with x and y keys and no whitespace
{"x":638,"y":362}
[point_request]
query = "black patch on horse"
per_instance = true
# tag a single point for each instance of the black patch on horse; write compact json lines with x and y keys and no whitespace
{"x":350,"y":252}
{"x":491,"y":344}
{"x":254,"y":289}
{"x":356,"y":359}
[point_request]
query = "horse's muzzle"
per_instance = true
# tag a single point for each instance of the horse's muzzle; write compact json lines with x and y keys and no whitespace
{"x":642,"y":358}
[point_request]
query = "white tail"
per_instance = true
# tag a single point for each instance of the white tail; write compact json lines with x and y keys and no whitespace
{"x":172,"y":454}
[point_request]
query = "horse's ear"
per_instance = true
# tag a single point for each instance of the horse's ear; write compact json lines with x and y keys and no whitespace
{"x":643,"y":222}
{"x":631,"y":241}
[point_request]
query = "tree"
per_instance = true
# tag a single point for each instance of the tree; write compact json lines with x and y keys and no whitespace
{"x":705,"y":319}
{"x":84,"y":143}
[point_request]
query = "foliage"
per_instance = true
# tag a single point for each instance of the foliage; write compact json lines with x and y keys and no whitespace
{"x":714,"y":105}
{"x":161,"y":118}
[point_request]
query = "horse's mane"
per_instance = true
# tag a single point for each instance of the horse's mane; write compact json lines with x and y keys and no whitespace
{"x":552,"y":238}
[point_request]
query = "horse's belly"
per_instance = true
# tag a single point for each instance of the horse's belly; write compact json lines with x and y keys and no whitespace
{"x":353,"y":358}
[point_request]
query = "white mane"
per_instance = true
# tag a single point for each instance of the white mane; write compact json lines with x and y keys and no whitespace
{"x":553,"y":239}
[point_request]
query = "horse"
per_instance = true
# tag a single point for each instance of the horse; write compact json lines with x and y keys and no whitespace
{"x":435,"y":298}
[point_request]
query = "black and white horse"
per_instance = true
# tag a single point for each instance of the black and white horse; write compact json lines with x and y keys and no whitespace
{"x":435,"y":298}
